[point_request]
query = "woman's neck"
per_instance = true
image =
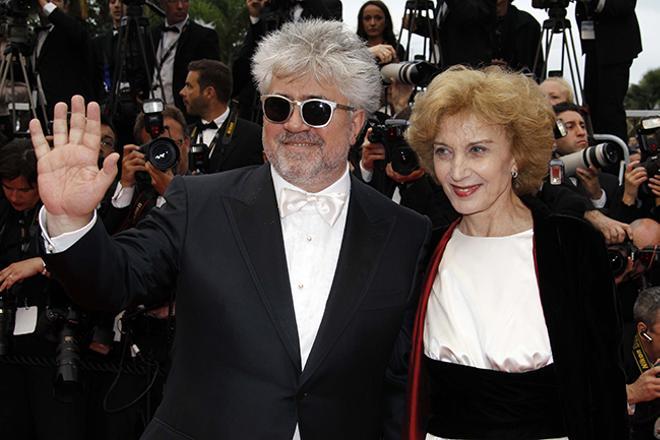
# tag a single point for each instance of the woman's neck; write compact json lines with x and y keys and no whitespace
{"x":510,"y":218}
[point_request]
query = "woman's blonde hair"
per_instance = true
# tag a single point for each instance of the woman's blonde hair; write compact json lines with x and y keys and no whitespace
{"x":495,"y":96}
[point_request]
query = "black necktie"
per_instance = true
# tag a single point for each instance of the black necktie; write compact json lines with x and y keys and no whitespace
{"x":209,"y":126}
{"x":171,"y":29}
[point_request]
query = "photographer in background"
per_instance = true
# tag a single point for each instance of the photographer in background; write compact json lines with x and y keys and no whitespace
{"x":601,"y":188}
{"x":229,"y":141}
{"x":134,"y":196}
{"x":29,"y":333}
{"x":642,"y":351}
{"x":610,"y":40}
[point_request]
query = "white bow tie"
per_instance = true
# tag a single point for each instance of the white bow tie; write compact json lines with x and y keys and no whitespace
{"x":327,"y":205}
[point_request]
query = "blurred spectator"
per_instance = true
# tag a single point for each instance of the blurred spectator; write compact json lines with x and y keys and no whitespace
{"x":105,"y":46}
{"x":557,"y":90}
{"x":374,"y":25}
{"x":179,"y":40}
{"x":62,"y":55}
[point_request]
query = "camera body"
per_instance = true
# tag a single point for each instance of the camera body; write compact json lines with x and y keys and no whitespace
{"x":649,"y":146}
{"x":390,"y":133}
{"x":198,"y":159}
{"x":163,"y":153}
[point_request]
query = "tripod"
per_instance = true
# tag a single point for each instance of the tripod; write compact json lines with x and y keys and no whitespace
{"x":17,"y":52}
{"x":421,"y":17}
{"x":131,"y":79}
{"x":557,"y":23}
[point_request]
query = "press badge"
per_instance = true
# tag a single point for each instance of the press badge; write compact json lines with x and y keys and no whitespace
{"x":587,"y":30}
{"x":26,"y":320}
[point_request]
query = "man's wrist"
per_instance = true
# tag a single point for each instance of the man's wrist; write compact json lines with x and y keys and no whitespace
{"x":61,"y":224}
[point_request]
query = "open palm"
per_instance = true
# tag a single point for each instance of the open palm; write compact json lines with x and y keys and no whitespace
{"x":70,"y":182}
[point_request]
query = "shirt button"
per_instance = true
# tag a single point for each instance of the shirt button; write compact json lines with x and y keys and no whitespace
{"x":300,"y":285}
{"x":309,"y":238}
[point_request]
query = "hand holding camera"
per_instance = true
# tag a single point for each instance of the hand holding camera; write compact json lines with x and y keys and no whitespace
{"x":132,"y":162}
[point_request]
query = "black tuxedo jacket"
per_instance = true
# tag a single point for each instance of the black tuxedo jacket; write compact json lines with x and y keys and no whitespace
{"x":64,"y":63}
{"x":244,"y":148}
{"x":236,"y":369}
{"x":195,"y":43}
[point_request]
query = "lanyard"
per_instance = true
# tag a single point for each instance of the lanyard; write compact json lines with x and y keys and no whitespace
{"x":641,"y":359}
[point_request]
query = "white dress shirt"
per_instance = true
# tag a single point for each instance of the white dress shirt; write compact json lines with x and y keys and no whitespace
{"x":123,"y":196}
{"x":167,"y":40}
{"x":485,"y":308}
{"x":312,"y":249}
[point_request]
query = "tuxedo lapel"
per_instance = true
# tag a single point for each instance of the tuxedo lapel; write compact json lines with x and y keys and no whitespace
{"x":257,"y":224}
{"x":364,"y":238}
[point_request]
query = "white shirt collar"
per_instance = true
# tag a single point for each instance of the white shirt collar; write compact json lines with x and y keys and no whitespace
{"x":341,"y":185}
{"x":180,"y":24}
{"x":220,"y":119}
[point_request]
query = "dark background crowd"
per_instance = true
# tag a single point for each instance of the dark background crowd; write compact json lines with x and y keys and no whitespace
{"x":171,"y":107}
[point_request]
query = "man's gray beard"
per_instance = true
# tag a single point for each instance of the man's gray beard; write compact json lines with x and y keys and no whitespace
{"x":303,"y":169}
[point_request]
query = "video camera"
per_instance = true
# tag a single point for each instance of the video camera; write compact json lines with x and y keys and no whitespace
{"x":162,"y":152}
{"x":13,"y":23}
{"x":390,"y":133}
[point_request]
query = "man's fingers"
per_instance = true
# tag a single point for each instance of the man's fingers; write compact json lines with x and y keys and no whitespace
{"x":92,"y":134}
{"x":107,"y":174}
{"x":60,"y":131}
{"x":77,"y":123}
{"x":39,"y":142}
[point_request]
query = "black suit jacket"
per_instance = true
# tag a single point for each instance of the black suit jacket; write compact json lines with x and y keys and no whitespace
{"x":195,"y":43}
{"x":617,"y":31}
{"x":236,"y":369}
{"x":244,"y":148}
{"x":64,"y":63}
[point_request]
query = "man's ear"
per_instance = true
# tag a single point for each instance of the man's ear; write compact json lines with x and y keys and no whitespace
{"x":357,"y":122}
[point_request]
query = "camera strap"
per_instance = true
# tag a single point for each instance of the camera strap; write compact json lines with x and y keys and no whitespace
{"x":641,"y":358}
{"x":226,"y":130}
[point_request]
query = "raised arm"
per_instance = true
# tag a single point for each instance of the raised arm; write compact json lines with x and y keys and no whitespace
{"x":70,"y":183}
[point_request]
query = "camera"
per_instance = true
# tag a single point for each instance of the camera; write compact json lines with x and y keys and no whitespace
{"x":198,"y":159}
{"x":619,"y":254}
{"x":600,"y":156}
{"x":67,"y":354}
{"x":415,"y":73}
{"x":647,"y":138}
{"x":397,"y":151}
{"x":163,"y":153}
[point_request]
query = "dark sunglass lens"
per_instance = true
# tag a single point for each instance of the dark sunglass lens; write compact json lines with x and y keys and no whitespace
{"x":277,"y":109}
{"x":316,"y":112}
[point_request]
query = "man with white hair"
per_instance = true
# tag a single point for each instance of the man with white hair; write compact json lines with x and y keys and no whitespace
{"x":295,"y":282}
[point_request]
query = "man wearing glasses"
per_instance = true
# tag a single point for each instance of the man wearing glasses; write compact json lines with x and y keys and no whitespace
{"x":178,"y":41}
{"x":295,"y":282}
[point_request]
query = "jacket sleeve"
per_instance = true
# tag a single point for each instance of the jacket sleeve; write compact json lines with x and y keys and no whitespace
{"x":101,"y":272}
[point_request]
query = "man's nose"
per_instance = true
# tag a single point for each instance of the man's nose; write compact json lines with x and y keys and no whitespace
{"x":295,"y":123}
